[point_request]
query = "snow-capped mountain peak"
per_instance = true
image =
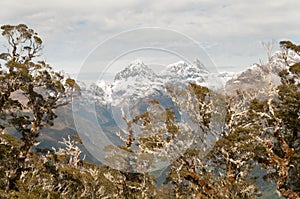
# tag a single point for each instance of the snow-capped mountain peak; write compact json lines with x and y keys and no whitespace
{"x":135,"y":69}
{"x":183,"y":71}
{"x":178,"y":66}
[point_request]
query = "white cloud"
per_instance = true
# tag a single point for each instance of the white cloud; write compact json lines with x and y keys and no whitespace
{"x":71,"y":29}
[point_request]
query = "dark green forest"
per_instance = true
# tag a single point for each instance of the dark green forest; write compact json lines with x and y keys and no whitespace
{"x":257,"y":155}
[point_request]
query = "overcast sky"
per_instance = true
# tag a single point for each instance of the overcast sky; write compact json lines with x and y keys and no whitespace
{"x":229,"y":31}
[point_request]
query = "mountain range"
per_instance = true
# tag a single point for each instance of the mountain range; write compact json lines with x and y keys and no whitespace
{"x":137,"y":83}
{"x":137,"y":80}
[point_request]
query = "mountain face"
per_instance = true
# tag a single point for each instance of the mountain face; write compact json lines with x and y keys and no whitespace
{"x":102,"y":91}
{"x":133,"y":88}
{"x":182,"y":71}
{"x":137,"y":81}
{"x":99,"y":110}
{"x":261,"y":75}
{"x":136,"y":69}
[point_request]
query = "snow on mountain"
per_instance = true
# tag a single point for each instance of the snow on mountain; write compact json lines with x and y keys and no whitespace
{"x":186,"y":72}
{"x":137,"y":81}
{"x":136,"y":69}
{"x":134,"y":82}
{"x":226,"y":76}
{"x":260,"y":75}
{"x":103,"y":91}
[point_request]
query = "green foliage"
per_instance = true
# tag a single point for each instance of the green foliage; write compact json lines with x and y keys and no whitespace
{"x":54,"y":175}
{"x":30,"y":90}
{"x":290,"y":45}
{"x":288,"y":110}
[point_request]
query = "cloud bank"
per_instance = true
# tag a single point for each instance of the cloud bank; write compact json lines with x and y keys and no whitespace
{"x":230,"y":31}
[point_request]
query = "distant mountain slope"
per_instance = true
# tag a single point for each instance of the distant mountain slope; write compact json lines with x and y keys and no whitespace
{"x":261,"y":75}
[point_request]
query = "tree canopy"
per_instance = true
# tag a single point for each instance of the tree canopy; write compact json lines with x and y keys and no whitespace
{"x":30,"y":89}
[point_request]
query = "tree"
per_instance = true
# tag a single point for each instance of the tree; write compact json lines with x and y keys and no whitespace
{"x":287,"y":112}
{"x":261,"y":128}
{"x":61,"y":173}
{"x":30,"y":90}
{"x":271,"y":121}
{"x":224,"y":170}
